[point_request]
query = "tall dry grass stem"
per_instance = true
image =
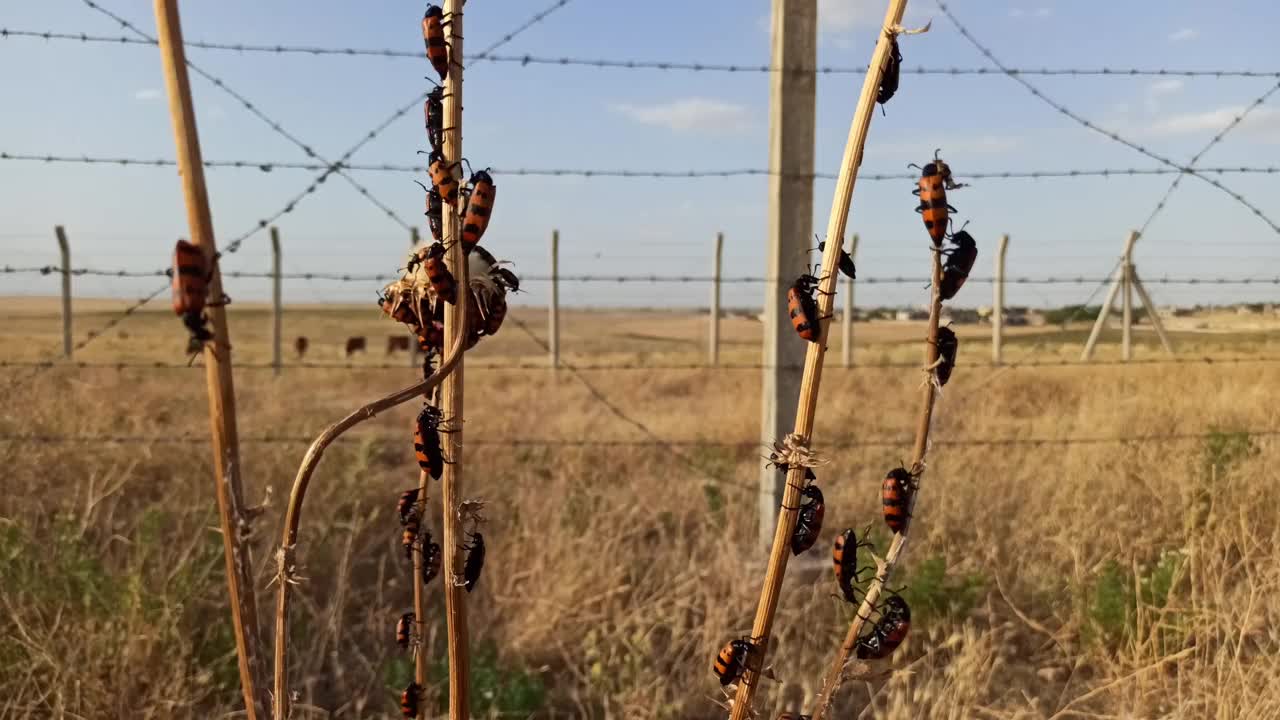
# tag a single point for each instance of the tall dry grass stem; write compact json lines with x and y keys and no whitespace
{"x":928,"y":396}
{"x":234,"y":520}
{"x":451,"y":396}
{"x":812,"y":377}
{"x":287,"y":574}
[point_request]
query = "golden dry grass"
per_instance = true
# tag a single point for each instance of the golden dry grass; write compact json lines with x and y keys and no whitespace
{"x":1038,"y":573}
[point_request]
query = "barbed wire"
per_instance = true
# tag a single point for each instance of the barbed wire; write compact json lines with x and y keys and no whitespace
{"x":1064,"y":110}
{"x":1206,"y":360}
{"x":235,"y":243}
{"x":634,"y":64}
{"x":267,"y":166}
{"x":648,"y":279}
{"x":51,"y":439}
{"x":1235,"y":122}
{"x":273,"y":124}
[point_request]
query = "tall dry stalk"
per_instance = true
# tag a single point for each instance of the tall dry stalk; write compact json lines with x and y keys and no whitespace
{"x":807,"y":407}
{"x":455,"y":330}
{"x":286,"y":556}
{"x":234,"y":516}
{"x":928,"y":394}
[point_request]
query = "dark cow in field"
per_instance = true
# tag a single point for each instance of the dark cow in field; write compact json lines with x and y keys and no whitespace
{"x":397,"y":342}
{"x":300,"y":345}
{"x":354,"y":344}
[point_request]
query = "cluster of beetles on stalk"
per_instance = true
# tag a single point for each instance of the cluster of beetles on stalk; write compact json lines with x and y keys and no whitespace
{"x":418,"y":299}
{"x":898,"y":489}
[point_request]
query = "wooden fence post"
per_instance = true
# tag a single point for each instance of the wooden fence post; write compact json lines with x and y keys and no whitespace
{"x":64,"y":248}
{"x":846,"y":319}
{"x":277,"y":304}
{"x":997,"y":304}
{"x":234,"y":523}
{"x":713,"y":344}
{"x":789,"y":231}
{"x":553,"y":308}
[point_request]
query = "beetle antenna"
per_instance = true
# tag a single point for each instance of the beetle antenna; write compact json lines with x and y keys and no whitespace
{"x":424,"y":187}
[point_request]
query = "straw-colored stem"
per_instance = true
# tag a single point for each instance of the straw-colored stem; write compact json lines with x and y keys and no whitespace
{"x":455,"y":329}
{"x":232,"y":512}
{"x":827,"y":282}
{"x":293,"y":513}
{"x":835,"y":674}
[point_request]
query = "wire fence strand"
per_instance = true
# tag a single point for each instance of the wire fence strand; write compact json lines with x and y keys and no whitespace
{"x":634,"y":63}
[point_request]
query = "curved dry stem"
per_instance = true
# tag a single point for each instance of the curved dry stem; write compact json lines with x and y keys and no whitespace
{"x":286,"y":571}
{"x":812,"y":377}
{"x":835,"y":675}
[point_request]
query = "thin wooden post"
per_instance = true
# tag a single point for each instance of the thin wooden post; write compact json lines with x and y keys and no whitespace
{"x":234,"y":523}
{"x":64,"y":248}
{"x":1118,"y":282}
{"x":846,"y":318}
{"x":1126,"y":342}
{"x":553,"y":308}
{"x":713,"y":340}
{"x":790,"y":230}
{"x":277,"y":303}
{"x":451,"y":405}
{"x":997,"y":304}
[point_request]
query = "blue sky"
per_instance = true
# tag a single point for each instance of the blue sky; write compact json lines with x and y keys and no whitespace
{"x":95,"y":99}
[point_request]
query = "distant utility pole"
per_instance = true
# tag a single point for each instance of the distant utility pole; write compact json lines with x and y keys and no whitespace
{"x":790,"y":230}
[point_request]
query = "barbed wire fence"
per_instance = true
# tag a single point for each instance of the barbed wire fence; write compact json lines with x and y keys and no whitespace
{"x":342,"y":165}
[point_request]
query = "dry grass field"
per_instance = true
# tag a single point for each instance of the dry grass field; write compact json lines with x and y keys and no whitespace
{"x":1087,"y":580}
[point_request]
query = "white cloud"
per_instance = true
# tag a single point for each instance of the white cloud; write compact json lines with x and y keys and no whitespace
{"x":1184,"y":34}
{"x":688,"y":114}
{"x":1159,"y":89}
{"x":146,"y":94}
{"x":836,"y":16}
{"x":1040,"y":12}
{"x":1263,"y":120}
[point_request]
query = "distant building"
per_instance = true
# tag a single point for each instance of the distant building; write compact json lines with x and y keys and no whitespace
{"x":960,"y":316}
{"x":911,"y":315}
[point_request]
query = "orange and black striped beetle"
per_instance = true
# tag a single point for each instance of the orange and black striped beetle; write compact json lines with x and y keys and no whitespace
{"x":960,"y":261}
{"x":889,"y":631}
{"x":844,"y":558}
{"x":892,"y":74}
{"x":191,"y":275}
{"x":481,"y":192}
{"x":438,"y":274}
{"x":948,"y":346}
{"x":442,"y":178}
{"x":404,"y":630}
{"x":495,"y":313}
{"x":433,"y":115}
{"x":408,"y":506}
{"x":895,"y":494}
{"x":933,"y":205}
{"x":809,"y":524}
{"x":426,"y":441}
{"x":803,"y":308}
{"x":732,"y":660}
{"x":435,"y":213}
{"x":411,"y":535}
{"x":433,"y":39}
{"x":409,"y":700}
{"x":846,"y":261}
{"x":794,"y":716}
{"x":431,"y":559}
{"x":475,"y":561}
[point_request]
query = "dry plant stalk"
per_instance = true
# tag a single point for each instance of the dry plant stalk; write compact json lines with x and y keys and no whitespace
{"x":285,"y":556}
{"x":807,"y":406}
{"x":929,"y":393}
{"x":233,"y":517}
{"x":455,"y":330}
